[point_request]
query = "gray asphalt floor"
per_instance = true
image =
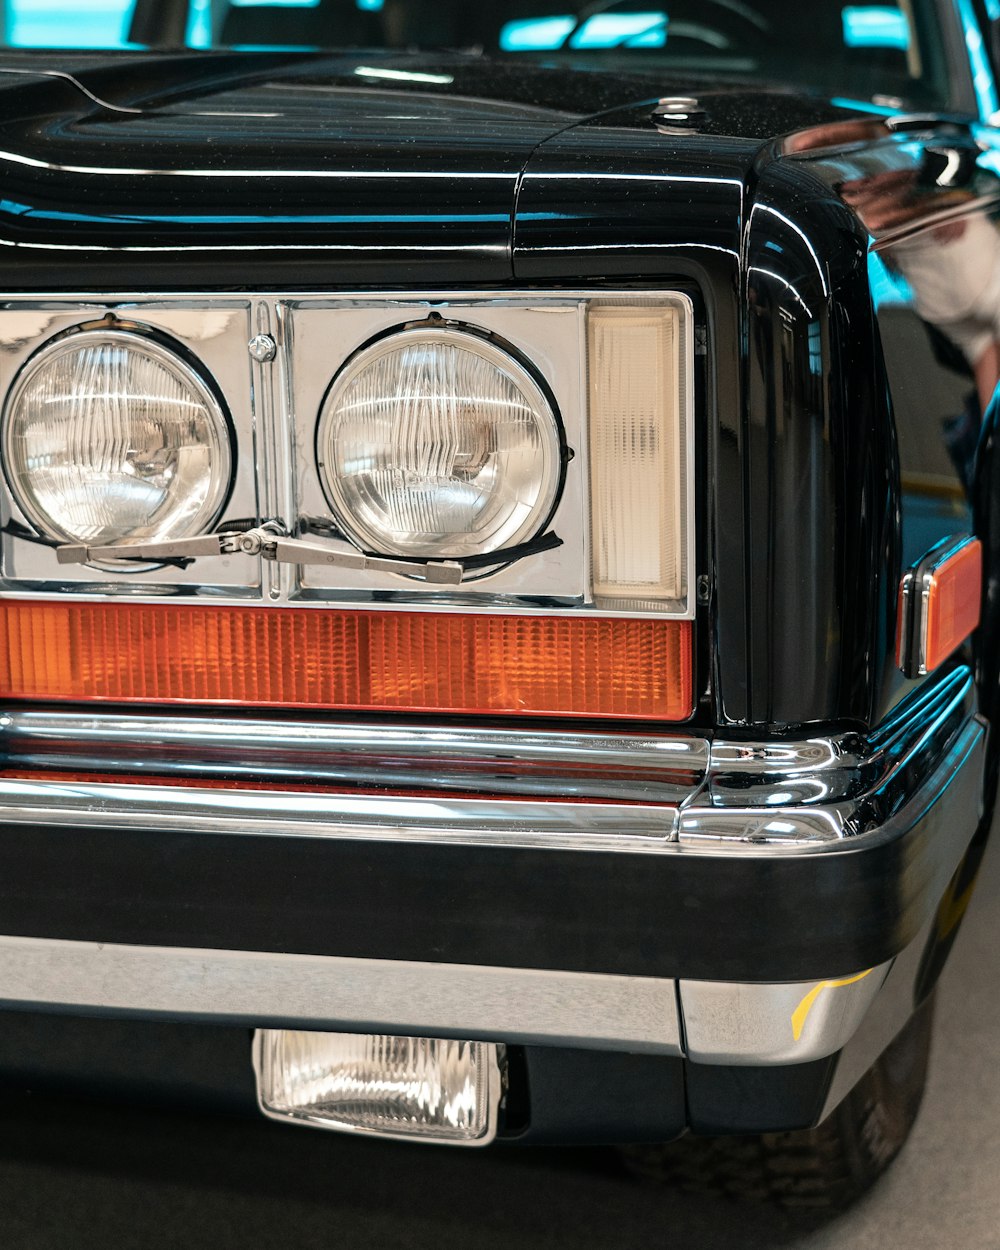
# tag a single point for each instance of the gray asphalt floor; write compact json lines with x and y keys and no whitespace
{"x":84,"y":1175}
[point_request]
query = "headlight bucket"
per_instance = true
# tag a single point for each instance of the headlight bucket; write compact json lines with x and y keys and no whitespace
{"x":437,"y":442}
{"x":109,"y":434}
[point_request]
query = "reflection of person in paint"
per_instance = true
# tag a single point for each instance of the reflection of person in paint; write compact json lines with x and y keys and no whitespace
{"x":954,"y":272}
{"x":953,"y":268}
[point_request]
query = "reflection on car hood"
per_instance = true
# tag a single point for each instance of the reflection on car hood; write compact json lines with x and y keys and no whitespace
{"x":395,"y":167}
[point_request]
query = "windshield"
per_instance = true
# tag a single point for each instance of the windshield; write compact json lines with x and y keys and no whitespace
{"x":859,"y":49}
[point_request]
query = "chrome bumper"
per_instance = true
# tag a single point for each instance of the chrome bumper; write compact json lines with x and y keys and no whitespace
{"x":656,"y":794}
{"x":672,"y":802}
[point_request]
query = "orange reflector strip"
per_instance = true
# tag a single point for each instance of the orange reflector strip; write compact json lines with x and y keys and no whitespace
{"x":952,"y":604}
{"x":369,"y":661}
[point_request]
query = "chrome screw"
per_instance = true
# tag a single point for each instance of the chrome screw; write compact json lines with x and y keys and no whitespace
{"x":263,"y":348}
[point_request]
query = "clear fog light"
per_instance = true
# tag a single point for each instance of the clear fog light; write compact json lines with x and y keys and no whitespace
{"x":418,"y":1088}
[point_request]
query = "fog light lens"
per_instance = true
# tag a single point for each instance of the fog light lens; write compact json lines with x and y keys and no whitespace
{"x":418,"y":1088}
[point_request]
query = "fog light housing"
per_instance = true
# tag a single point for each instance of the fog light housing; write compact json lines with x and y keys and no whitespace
{"x":410,"y":1088}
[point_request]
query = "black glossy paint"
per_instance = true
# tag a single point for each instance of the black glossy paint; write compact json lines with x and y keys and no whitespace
{"x":185,"y":171}
{"x":231,"y":170}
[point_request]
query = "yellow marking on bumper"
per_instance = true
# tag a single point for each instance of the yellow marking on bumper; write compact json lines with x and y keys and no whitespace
{"x":801,"y":1012}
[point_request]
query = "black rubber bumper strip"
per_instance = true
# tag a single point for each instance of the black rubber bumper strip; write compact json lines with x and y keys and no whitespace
{"x":756,"y":918}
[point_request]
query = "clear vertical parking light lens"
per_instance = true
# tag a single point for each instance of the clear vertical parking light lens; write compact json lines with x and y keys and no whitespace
{"x":638,"y":435}
{"x":411,"y":1087}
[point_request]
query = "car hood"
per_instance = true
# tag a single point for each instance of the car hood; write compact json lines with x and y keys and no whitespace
{"x":389,"y":170}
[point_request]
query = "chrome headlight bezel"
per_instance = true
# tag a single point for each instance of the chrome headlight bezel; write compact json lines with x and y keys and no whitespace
{"x":275,"y":404}
{"x":142,"y":342}
{"x":516,"y":529}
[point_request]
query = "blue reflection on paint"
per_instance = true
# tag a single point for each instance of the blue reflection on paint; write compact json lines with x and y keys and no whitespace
{"x":12,"y":208}
{"x":60,"y":23}
{"x":536,"y":34}
{"x":371,"y":6}
{"x":199,"y":27}
{"x":864,"y":106}
{"x":614,"y":30}
{"x":877,"y":26}
{"x":275,"y":4}
{"x":982,"y":74}
{"x":888,"y":287}
{"x":603,"y":30}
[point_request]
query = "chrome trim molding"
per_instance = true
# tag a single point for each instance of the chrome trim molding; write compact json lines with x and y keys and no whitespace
{"x":824,"y":770}
{"x":527,"y":761}
{"x":886,"y":812}
{"x":891,"y":1009}
{"x":738,"y":1024}
{"x":583,"y":826}
{"x":661,"y":795}
{"x":343,"y":995}
{"x":713,"y":1022}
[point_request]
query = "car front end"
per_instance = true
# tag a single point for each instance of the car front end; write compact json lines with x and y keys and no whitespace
{"x":465,"y":641}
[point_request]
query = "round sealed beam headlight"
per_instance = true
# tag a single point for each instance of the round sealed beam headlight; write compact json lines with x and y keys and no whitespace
{"x":437,"y":443}
{"x":109,"y":435}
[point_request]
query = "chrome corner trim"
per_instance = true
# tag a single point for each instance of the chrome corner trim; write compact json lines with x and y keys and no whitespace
{"x":743,"y":1024}
{"x":658,"y":769}
{"x":901,"y":800}
{"x":898,"y":997}
{"x":834,"y":769}
{"x":372,"y":817}
{"x":515,"y":1005}
{"x":306,"y":1119}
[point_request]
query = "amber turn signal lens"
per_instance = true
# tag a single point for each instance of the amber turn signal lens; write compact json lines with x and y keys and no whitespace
{"x":953,"y":597}
{"x":369,"y":661}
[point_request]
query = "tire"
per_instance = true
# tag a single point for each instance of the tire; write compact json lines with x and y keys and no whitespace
{"x":823,"y":1168}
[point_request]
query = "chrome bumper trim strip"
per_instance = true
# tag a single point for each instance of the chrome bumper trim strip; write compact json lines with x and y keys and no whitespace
{"x":392,"y":818}
{"x":343,"y":995}
{"x":765,"y":809}
{"x":651,"y":768}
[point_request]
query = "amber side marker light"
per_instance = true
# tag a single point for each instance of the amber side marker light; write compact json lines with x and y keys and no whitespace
{"x":368,"y":661}
{"x":939,"y":606}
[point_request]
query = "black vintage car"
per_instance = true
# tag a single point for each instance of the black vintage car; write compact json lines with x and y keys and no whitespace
{"x":499,"y":608}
